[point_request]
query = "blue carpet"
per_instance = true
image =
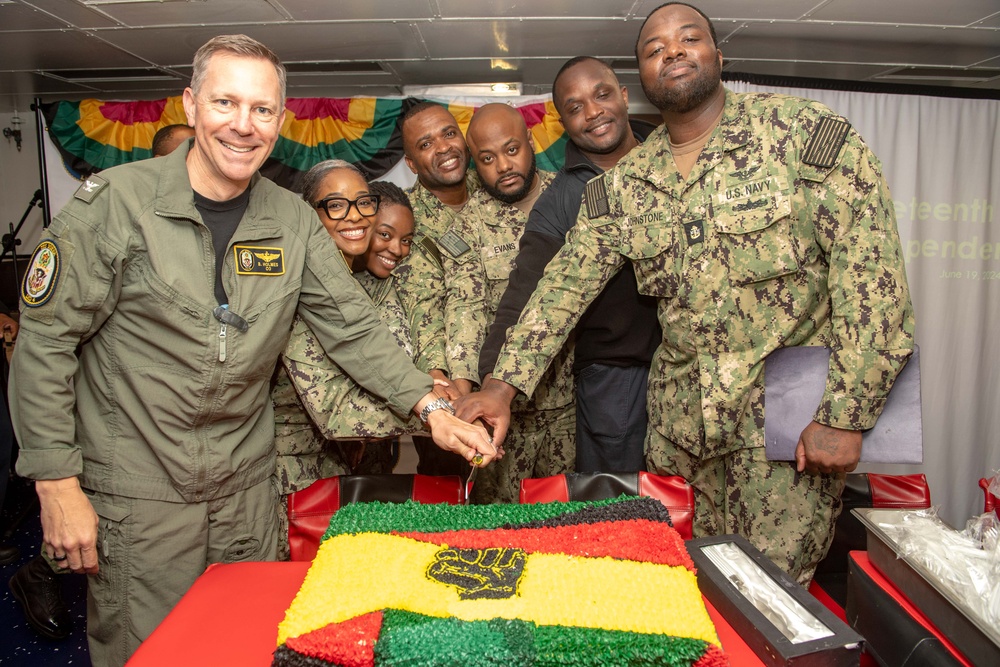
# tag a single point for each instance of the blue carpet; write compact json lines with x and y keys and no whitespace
{"x":20,"y":645}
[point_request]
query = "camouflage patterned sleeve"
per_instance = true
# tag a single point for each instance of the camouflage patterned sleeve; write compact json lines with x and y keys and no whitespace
{"x":466,"y":309}
{"x":336,"y":404}
{"x":572,"y":280}
{"x":420,"y":285}
{"x":872,"y":315}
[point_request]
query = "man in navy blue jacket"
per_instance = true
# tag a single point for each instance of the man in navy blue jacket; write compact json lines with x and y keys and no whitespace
{"x":616,"y":337}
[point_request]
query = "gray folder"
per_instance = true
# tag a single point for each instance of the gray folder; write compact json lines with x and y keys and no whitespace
{"x":794,"y":380}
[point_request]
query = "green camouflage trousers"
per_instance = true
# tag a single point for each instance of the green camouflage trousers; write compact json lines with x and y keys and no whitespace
{"x":539,"y":443}
{"x":788,"y":516}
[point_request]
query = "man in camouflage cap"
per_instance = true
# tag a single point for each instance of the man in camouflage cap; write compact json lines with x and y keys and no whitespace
{"x":477,"y":254}
{"x":759,"y":222}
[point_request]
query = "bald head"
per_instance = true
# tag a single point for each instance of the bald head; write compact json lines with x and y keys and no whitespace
{"x":503,"y":151}
{"x":491,"y":115}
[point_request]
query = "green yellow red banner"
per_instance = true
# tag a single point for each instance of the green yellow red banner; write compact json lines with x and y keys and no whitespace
{"x":93,"y":135}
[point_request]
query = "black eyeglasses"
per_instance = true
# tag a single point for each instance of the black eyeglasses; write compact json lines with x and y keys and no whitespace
{"x":337,"y":207}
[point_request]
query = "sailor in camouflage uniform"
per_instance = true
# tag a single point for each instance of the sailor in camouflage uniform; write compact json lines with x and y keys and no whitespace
{"x":326,"y":424}
{"x":436,"y":152}
{"x":781,"y":233}
{"x":477,"y":254}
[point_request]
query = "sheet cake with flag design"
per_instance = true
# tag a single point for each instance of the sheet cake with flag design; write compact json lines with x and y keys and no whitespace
{"x":602,"y":583}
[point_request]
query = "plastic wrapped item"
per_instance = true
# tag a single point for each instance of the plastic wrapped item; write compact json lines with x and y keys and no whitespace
{"x":778,"y":619}
{"x":784,"y":612}
{"x":964,"y":563}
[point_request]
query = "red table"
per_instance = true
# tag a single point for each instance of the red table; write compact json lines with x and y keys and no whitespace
{"x":231,"y":614}
{"x":892,"y":594}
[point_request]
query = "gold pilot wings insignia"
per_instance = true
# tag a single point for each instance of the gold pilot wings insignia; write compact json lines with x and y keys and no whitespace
{"x":259,"y":261}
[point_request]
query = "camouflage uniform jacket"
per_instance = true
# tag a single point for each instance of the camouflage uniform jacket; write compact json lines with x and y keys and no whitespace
{"x":383,"y":294}
{"x":420,"y":280}
{"x":315,"y":401}
{"x":780,"y":236}
{"x":477,"y":253}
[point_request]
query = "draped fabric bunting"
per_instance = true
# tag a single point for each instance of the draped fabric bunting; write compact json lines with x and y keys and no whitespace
{"x":93,"y":135}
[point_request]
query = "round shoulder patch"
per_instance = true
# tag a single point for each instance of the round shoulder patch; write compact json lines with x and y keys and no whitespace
{"x":42,"y":274}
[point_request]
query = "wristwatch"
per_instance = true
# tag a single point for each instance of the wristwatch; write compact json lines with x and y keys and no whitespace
{"x":436,"y":404}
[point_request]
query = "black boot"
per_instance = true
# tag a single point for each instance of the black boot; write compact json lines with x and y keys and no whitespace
{"x":8,"y":554}
{"x":35,"y":586}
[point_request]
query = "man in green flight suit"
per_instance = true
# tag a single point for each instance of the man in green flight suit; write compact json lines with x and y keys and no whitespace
{"x":141,"y":377}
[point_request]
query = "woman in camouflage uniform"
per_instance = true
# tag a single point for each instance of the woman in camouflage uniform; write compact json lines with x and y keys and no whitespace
{"x":325,"y":424}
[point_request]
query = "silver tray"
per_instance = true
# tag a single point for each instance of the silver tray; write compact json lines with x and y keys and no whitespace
{"x":978,"y":641}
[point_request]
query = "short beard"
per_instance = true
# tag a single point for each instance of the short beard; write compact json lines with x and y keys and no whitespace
{"x":431,"y":182}
{"x":682,"y":99}
{"x":520,"y":193}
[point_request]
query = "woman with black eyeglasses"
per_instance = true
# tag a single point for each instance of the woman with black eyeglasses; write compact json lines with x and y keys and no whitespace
{"x":325,"y":423}
{"x":339,"y":192}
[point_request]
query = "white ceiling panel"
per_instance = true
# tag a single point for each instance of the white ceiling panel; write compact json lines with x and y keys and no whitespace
{"x":158,"y":88}
{"x":989,"y":22}
{"x":184,"y":12}
{"x":811,"y":70}
{"x":340,"y":10}
{"x":960,"y":13}
{"x":528,"y":38}
{"x":23,"y":84}
{"x":472,"y":41}
{"x":298,"y":42}
{"x":33,"y":51}
{"x":22,"y":17}
{"x":765,"y":10}
{"x":530,"y":8}
{"x":70,"y":12}
{"x":958,"y":47}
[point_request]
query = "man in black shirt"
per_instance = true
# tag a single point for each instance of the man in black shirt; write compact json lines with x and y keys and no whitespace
{"x":617,"y":335}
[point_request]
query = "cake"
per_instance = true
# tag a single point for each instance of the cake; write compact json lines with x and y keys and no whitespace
{"x":588,"y":584}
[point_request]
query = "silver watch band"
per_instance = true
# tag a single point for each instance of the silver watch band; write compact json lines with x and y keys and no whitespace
{"x":436,"y":404}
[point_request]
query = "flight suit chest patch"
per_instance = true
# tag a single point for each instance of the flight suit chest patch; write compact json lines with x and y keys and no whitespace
{"x":259,"y":260}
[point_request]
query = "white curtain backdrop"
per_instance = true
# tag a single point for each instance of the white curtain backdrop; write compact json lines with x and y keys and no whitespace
{"x":942,"y":162}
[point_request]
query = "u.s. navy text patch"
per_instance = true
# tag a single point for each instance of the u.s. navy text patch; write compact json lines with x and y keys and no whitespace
{"x":42,"y":275}
{"x":254,"y":260}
